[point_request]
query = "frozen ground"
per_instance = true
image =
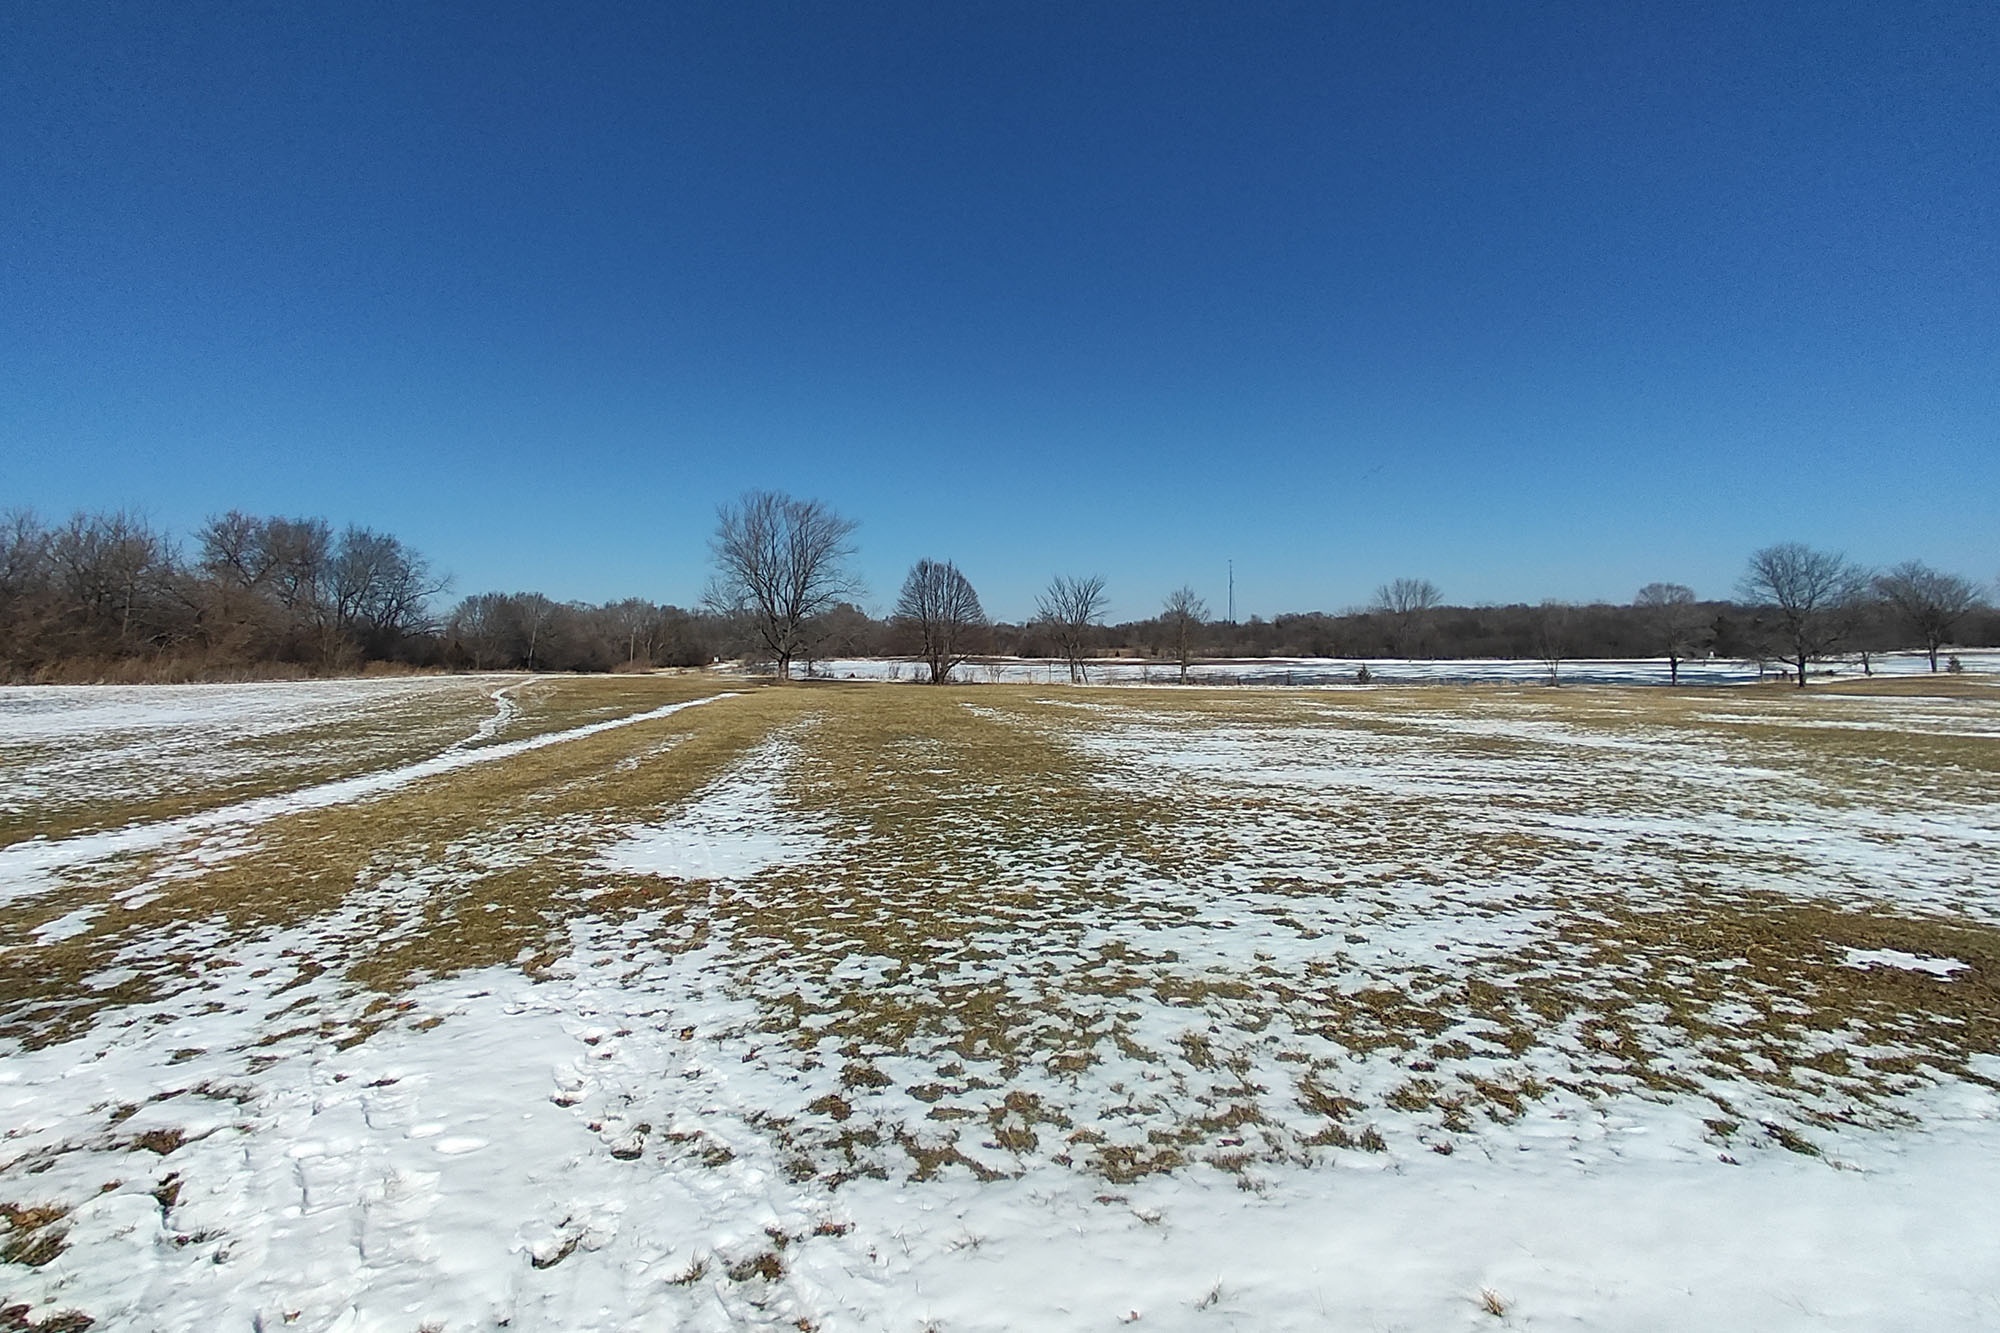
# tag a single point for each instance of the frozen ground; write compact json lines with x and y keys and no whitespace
{"x":1018,"y":1008}
{"x":91,"y":756}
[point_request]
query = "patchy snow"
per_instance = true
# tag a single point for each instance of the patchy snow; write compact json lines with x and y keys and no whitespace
{"x":1039,"y":1084}
{"x":28,"y":868}
{"x":731,"y":831}
{"x":78,"y":745}
{"x":1908,"y":962}
{"x":591,"y":1152}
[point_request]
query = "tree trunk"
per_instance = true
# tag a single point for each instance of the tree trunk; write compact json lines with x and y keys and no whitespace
{"x":1934,"y":649}
{"x":1673,"y":669}
{"x":1802,"y":671}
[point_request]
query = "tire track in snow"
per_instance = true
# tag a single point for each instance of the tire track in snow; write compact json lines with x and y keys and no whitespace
{"x":27,"y":869}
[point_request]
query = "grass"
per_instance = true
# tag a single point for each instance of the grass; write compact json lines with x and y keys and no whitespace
{"x":490,"y":834}
{"x":143,"y":783}
{"x":1137,"y":931}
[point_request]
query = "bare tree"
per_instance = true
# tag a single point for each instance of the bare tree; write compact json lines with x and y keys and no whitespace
{"x":940,"y":607}
{"x":1675,"y":623}
{"x":1929,"y":603}
{"x":1067,"y":611}
{"x":109,"y":570}
{"x":780,"y":564}
{"x":380,"y":590}
{"x":1182,"y":618}
{"x":1806,"y":592}
{"x":1552,"y":629}
{"x":535,"y":616}
{"x":1408,"y":604}
{"x":26,"y":587}
{"x":482,"y":626}
{"x":640,"y":620}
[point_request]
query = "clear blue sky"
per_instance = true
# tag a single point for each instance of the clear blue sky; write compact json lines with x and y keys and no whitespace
{"x":1531,"y":299}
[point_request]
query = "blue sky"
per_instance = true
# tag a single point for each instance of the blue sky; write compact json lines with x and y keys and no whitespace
{"x":1530,"y":299}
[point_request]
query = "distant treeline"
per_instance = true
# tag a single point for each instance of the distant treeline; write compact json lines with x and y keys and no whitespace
{"x":109,"y":597}
{"x":1606,"y":630}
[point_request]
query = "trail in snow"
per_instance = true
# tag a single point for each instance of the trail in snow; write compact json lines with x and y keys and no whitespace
{"x":505,"y":710}
{"x":27,"y":868}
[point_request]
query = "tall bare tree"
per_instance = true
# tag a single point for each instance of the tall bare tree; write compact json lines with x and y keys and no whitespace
{"x":780,"y":563}
{"x":1408,"y":604}
{"x":939,"y":606}
{"x":639,"y":619}
{"x":1067,"y":612}
{"x":535,"y":616}
{"x":378,"y":592}
{"x":1674,"y":622}
{"x":27,"y":588}
{"x":1182,"y":618}
{"x":1928,"y":602}
{"x":110,"y":572}
{"x":1552,"y":634}
{"x":1806,"y":593}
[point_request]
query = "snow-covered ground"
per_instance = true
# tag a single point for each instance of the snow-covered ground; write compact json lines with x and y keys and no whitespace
{"x":1051,"y":1009}
{"x":1301,"y":671}
{"x":77,"y":747}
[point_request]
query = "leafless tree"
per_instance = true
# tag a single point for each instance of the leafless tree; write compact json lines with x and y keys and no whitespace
{"x":1806,"y":592}
{"x":1552,"y":629}
{"x":482,"y":626}
{"x":1928,"y":602}
{"x":640,"y":620}
{"x":1408,"y":604}
{"x":379,"y":590}
{"x":780,"y":564}
{"x":1067,"y":612}
{"x":1182,"y":618}
{"x":109,"y":572}
{"x":1675,"y":623}
{"x":536,"y":616}
{"x":939,"y":606}
{"x":26,"y":589}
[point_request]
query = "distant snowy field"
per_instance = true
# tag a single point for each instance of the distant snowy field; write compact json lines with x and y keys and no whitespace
{"x":1017,"y":1008}
{"x":1300,"y":671}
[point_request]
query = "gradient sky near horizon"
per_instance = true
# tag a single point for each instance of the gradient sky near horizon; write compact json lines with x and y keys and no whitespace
{"x":1534,"y":300}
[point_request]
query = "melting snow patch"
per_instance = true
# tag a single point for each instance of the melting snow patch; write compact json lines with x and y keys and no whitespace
{"x":1909,"y":962}
{"x":735,"y":829}
{"x":67,"y":925}
{"x":691,"y":848}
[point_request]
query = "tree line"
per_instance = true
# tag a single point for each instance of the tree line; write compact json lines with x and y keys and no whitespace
{"x":782,"y":577}
{"x":107,"y":596}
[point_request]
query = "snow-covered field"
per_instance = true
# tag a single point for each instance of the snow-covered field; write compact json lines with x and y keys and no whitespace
{"x":677,"y":1003}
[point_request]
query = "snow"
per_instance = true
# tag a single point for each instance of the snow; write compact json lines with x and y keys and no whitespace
{"x":563,"y":1155}
{"x":27,"y":868}
{"x":1908,"y":962}
{"x":83,"y":745}
{"x":663,"y":1128}
{"x":728,"y":833}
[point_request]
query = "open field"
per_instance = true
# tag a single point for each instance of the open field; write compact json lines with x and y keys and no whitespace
{"x":656,"y":1002}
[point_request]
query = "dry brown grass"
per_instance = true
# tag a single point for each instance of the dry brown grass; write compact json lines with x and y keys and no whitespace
{"x":1005,"y":882}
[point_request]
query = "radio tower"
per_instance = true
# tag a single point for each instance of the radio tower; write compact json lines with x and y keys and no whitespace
{"x":1232,"y":592}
